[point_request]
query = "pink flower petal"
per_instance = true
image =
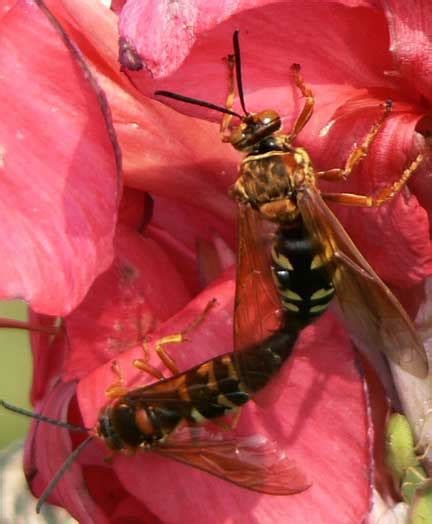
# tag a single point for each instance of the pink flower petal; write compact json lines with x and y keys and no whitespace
{"x":401,"y":225}
{"x":59,"y":166}
{"x":140,"y":290}
{"x":5,"y":5}
{"x":340,"y":54}
{"x":168,"y":154}
{"x":317,"y":415}
{"x":136,"y":209}
{"x":94,"y":28}
{"x":178,"y":24}
{"x":213,"y":336}
{"x":46,"y":449}
{"x":117,"y":5}
{"x":46,"y":370}
{"x":410,"y":43}
{"x":192,"y":165}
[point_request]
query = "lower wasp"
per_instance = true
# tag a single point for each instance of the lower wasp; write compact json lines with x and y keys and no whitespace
{"x":310,"y":257}
{"x":186,"y":417}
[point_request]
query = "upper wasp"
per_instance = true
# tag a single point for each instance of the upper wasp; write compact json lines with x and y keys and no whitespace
{"x":311,"y":255}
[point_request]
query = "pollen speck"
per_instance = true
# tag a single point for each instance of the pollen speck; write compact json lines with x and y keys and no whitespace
{"x":2,"y":156}
{"x":324,"y":131}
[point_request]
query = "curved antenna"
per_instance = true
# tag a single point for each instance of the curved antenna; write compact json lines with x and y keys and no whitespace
{"x":237,"y":59}
{"x":197,"y":102}
{"x":43,"y":418}
{"x":57,"y":477}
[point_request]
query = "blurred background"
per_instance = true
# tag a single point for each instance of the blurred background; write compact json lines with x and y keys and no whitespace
{"x":15,"y":373}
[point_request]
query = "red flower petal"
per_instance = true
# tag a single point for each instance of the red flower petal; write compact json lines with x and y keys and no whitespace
{"x":401,"y":225}
{"x":340,"y":55}
{"x":59,"y":166}
{"x":168,"y":154}
{"x":46,"y":449}
{"x":213,"y":336}
{"x":174,"y":28}
{"x":140,"y":290}
{"x":48,"y":354}
{"x":94,"y":28}
{"x":319,"y":419}
{"x":410,"y":35}
{"x":117,"y":5}
{"x":5,"y":5}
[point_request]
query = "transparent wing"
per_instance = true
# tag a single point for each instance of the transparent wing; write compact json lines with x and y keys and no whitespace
{"x":254,"y":462}
{"x":373,"y":314}
{"x":257,"y":304}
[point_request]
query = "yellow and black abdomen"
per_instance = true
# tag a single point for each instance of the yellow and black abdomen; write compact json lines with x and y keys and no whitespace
{"x":301,"y":274}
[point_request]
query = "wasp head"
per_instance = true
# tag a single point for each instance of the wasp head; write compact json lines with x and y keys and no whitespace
{"x":254,"y":128}
{"x":107,"y":432}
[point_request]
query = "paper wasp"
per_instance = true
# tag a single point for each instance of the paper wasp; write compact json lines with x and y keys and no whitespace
{"x":173,"y":417}
{"x":311,"y":256}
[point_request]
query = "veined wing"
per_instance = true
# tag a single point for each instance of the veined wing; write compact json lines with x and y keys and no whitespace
{"x":254,"y":462}
{"x":373,"y":314}
{"x":257,"y":304}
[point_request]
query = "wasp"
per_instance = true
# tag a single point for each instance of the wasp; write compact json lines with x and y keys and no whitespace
{"x":310,"y":258}
{"x":173,"y":416}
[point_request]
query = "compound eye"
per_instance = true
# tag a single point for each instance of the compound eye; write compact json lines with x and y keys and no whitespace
{"x":238,"y":137}
{"x":269,"y":118}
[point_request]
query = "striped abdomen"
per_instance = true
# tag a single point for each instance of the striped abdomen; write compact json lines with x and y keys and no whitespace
{"x":208,"y":391}
{"x":301,"y":274}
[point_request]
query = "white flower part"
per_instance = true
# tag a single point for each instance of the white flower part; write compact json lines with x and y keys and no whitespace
{"x":383,"y":513}
{"x":18,"y":506}
{"x":106,"y":3}
{"x":416,"y":394}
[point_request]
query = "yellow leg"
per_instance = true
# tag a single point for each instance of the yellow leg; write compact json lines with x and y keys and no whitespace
{"x":386,"y":194}
{"x":143,"y":365}
{"x":117,"y":389}
{"x":307,"y":110}
{"x":359,"y":153}
{"x":176,"y":338}
{"x":224,"y":131}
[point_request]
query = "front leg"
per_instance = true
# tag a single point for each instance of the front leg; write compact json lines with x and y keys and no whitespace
{"x":176,"y":338}
{"x":359,"y":153}
{"x":384,"y":195}
{"x":307,"y":110}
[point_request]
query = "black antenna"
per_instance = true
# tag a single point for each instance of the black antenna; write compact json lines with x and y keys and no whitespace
{"x":43,"y":418}
{"x":197,"y":102}
{"x":237,"y":57}
{"x":70,"y":459}
{"x":57,"y":477}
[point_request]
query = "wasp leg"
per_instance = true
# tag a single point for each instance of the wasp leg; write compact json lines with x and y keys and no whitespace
{"x":224,"y":130}
{"x":359,"y":153}
{"x":386,"y":194}
{"x":235,"y":419}
{"x":117,"y":389}
{"x":178,"y":338}
{"x":143,"y":365}
{"x":307,"y":110}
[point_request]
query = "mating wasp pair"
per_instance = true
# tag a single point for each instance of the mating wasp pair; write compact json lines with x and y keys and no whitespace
{"x":293,"y":256}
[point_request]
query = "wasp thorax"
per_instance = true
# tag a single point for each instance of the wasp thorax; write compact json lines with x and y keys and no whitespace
{"x":122,"y":426}
{"x":254,"y":128}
